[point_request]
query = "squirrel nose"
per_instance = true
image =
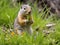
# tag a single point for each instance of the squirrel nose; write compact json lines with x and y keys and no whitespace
{"x":29,"y":12}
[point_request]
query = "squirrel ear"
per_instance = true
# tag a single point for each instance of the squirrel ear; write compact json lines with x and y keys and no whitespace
{"x":21,"y":6}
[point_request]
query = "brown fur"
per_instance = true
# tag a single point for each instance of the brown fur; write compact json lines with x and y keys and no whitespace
{"x":24,"y":20}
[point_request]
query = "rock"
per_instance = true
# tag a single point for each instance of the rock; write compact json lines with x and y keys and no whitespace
{"x":49,"y":25}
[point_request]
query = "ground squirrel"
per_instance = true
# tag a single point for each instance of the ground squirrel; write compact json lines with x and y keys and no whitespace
{"x":24,"y":20}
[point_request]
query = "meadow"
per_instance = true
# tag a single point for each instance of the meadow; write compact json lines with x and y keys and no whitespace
{"x":8,"y":13}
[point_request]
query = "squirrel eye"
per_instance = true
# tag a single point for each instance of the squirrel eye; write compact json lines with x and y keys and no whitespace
{"x":24,"y":8}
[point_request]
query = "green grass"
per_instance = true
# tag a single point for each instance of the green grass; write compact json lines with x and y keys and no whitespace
{"x":7,"y":15}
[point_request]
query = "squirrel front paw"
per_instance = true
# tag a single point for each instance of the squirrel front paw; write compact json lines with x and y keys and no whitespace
{"x":30,"y":22}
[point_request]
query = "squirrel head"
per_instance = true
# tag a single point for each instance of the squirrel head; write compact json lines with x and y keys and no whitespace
{"x":25,"y":10}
